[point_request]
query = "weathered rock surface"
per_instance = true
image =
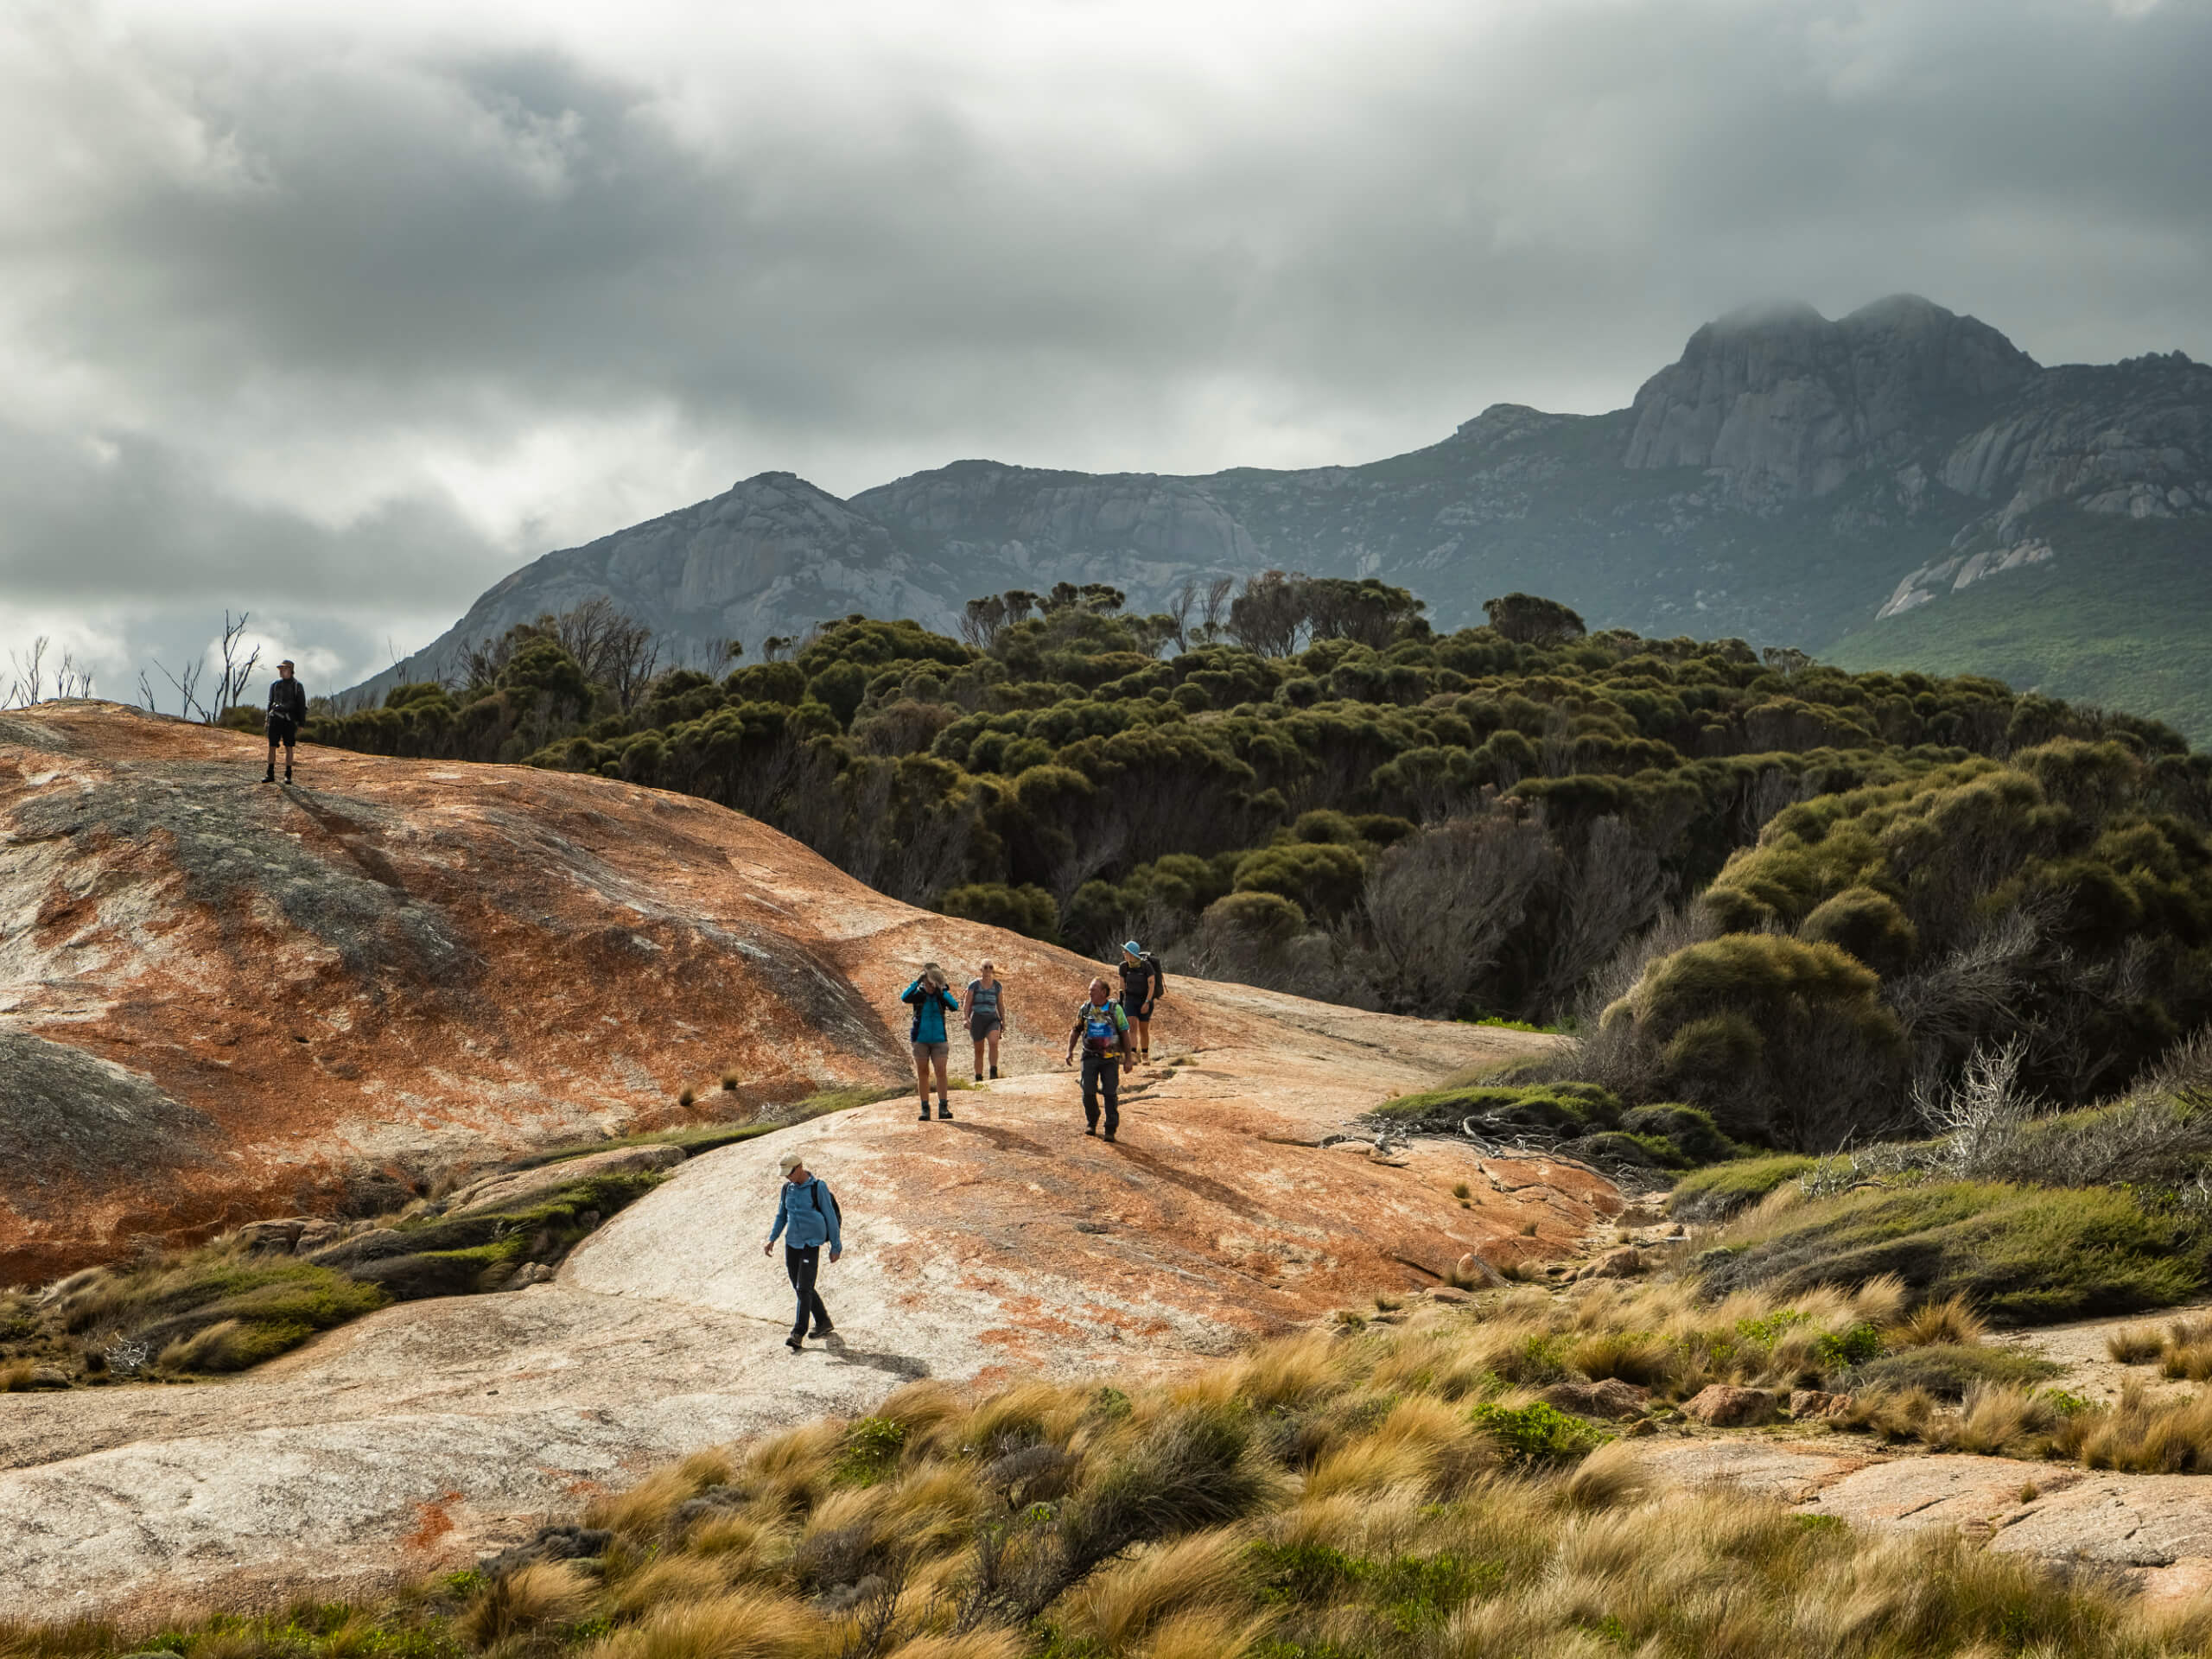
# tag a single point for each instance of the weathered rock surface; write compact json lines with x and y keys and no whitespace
{"x":528,"y":939}
{"x":1000,"y":1244}
{"x":518,"y":1186}
{"x":1782,"y":401}
{"x":1721,"y":1405}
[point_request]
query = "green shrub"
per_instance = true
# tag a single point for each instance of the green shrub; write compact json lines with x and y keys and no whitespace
{"x":1692,"y":1133}
{"x":1268,"y":920}
{"x":1781,"y":1040}
{"x":1566,"y":1108}
{"x":1717,"y":1193}
{"x":1538,"y":1434}
{"x":871,"y":1451}
{"x":1024,"y":910}
{"x":1870,"y":926}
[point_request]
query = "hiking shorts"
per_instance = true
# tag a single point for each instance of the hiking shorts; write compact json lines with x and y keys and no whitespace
{"x":282,"y":728}
{"x":983,"y":1025}
{"x":1139,"y":1010}
{"x":931,"y":1051}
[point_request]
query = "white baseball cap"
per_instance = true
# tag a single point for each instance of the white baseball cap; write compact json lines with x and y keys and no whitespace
{"x":789,"y":1161}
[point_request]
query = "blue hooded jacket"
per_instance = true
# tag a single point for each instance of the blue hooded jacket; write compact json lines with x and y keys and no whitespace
{"x":929,"y":1009}
{"x":810,"y":1212}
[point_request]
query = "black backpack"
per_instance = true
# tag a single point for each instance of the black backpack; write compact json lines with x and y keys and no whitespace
{"x":836,"y":1211}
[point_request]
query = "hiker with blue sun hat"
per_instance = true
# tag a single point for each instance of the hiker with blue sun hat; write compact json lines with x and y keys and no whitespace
{"x":1142,"y":986}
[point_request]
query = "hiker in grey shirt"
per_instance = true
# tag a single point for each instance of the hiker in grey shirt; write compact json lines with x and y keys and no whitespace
{"x":983,"y":1004}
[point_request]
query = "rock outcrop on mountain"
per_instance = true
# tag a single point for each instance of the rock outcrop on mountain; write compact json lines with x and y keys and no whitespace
{"x":220,"y":1000}
{"x":771,"y":554}
{"x":1783,"y":403}
{"x":1779,"y":482}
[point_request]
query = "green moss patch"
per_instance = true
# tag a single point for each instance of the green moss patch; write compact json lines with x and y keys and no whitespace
{"x":2024,"y":1255}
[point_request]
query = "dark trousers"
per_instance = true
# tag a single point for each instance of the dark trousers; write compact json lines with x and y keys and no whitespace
{"x":803,"y":1265}
{"x":1102,"y":1074}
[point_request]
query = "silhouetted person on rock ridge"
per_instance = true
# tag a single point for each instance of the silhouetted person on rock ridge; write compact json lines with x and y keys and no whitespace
{"x":287,"y":712}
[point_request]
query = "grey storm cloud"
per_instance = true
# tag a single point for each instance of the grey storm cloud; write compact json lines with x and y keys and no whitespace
{"x":366,"y":316}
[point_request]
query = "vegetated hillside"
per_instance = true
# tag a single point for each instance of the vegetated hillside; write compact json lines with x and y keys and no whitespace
{"x":1786,"y":480}
{"x":2125,"y":626}
{"x":1791,"y":893}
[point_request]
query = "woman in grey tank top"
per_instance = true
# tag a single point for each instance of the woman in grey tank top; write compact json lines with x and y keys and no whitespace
{"x":985,"y":1005}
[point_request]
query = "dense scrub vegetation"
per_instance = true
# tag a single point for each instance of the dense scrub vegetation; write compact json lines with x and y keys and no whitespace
{"x":1779,"y":894}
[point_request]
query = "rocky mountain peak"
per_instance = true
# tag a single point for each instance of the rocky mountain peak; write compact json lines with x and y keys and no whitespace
{"x":1785,"y":404}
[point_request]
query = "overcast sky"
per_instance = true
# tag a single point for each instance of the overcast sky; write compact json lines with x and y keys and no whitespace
{"x":340,"y":312}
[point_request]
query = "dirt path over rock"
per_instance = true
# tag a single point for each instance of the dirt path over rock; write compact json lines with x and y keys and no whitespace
{"x":607,"y":945}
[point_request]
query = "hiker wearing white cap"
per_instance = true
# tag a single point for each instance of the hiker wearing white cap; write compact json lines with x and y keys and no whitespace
{"x":1142,"y":986}
{"x":806,"y":1219}
{"x":287,"y":712}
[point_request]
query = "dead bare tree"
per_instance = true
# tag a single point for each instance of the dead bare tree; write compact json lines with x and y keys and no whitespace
{"x":186,"y":683}
{"x":236,"y":671}
{"x":27,"y":684}
{"x":1180,"y":604}
{"x":1439,"y":905}
{"x":1615,"y":886}
{"x":1213,"y":608}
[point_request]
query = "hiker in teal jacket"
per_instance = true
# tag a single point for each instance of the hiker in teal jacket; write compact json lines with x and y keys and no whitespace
{"x":931,"y":1001}
{"x":806,"y":1219}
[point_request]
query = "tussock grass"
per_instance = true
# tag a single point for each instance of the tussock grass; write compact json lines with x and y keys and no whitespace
{"x":1387,"y":1493}
{"x":516,"y":1604}
{"x":1393,"y":1490}
{"x":2136,"y":1345}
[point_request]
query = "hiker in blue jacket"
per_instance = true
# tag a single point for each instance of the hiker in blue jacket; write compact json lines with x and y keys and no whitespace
{"x":806,"y":1218}
{"x":931,"y":1001}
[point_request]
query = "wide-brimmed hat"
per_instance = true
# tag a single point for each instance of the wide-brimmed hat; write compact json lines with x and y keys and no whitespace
{"x":1133,"y":947}
{"x":789,"y":1161}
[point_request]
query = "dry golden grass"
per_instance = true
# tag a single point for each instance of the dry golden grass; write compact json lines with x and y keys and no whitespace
{"x":2136,"y":1345}
{"x":1951,"y":1320}
{"x":1321,"y":1494}
{"x":517,"y":1603}
{"x":1120,"y":1604}
{"x":748,"y":1623}
{"x":2141,"y":1434}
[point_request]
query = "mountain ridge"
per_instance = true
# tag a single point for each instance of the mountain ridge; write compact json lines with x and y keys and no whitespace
{"x":1788,"y":479}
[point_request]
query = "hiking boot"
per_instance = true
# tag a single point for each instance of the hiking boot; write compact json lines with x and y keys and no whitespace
{"x":925,"y":1111}
{"x":994,"y":1074}
{"x":944,"y":1112}
{"x":793,"y":1343}
{"x":979,"y":1076}
{"x":822,"y":1331}
{"x":269,"y":776}
{"x":1092,"y":1131}
{"x":1108,"y":1137}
